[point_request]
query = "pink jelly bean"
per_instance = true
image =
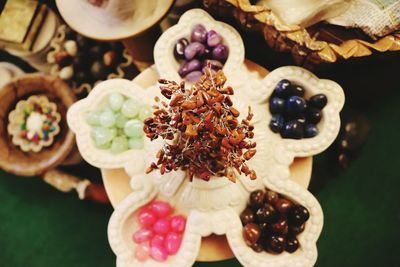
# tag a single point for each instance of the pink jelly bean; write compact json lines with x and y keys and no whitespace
{"x":162,"y":226}
{"x":178,"y":223}
{"x":142,"y":235}
{"x":142,"y":252}
{"x":172,"y":243}
{"x":147,"y":218}
{"x":158,"y":253}
{"x":161,"y":209}
{"x":157,"y":240}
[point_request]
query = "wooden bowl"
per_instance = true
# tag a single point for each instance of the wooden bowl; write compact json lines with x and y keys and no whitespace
{"x":14,"y":160}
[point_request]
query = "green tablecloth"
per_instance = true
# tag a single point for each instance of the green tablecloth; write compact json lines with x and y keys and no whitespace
{"x":42,"y":227}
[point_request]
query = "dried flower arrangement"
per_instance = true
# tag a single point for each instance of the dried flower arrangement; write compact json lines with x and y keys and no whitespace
{"x":202,"y":133}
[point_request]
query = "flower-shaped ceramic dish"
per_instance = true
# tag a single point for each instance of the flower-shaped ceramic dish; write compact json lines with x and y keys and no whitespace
{"x":214,"y":206}
{"x":164,"y":58}
{"x":17,"y":117}
{"x":97,"y":98}
{"x":56,"y":45}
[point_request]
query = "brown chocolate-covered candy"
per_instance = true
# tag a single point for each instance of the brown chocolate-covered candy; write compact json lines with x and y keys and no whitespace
{"x":280,"y":227}
{"x":283,"y":205}
{"x":297,"y":229}
{"x":247,"y":216}
{"x":251,"y":233}
{"x":256,"y":199}
{"x":292,"y":244}
{"x":257,"y":247}
{"x":267,"y":213}
{"x":271,"y":197}
{"x":298,"y":215}
{"x":276,"y":244}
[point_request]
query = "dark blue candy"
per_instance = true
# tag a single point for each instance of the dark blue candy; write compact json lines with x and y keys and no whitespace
{"x":297,"y":90}
{"x":282,"y":89}
{"x":318,"y":101}
{"x":293,"y":129}
{"x":295,"y":106}
{"x":310,"y":130}
{"x":313,"y":115}
{"x":276,"y":123}
{"x":277,"y":105}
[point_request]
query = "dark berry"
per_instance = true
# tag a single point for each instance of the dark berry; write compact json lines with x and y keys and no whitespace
{"x":283,"y":205}
{"x":313,"y":115}
{"x":247,"y":216}
{"x":277,"y":105}
{"x":276,"y":123}
{"x":318,"y":101}
{"x":282,"y":89}
{"x":298,"y":215}
{"x":297,"y":90}
{"x":276,"y":244}
{"x":295,"y":105}
{"x":292,"y":244}
{"x":256,"y":199}
{"x":310,"y":130}
{"x":267,"y":213}
{"x":293,"y":129}
{"x":251,"y":233}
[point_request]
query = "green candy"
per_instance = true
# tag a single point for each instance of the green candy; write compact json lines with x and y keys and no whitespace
{"x":120,"y":120}
{"x":119,"y":145}
{"x":130,"y":108}
{"x":115,"y":101}
{"x":102,"y":136}
{"x":93,"y":118}
{"x":107,"y":118}
{"x":134,"y":128}
{"x":136,"y":143}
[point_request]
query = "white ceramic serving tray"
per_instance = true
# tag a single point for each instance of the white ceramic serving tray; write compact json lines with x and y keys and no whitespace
{"x":214,"y":206}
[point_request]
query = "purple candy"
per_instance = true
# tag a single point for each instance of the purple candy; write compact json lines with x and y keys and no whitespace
{"x":199,"y":34}
{"x":220,"y":52}
{"x":194,"y":49}
{"x":179,"y":49}
{"x":193,"y":76}
{"x":213,"y":38}
{"x":189,"y":66}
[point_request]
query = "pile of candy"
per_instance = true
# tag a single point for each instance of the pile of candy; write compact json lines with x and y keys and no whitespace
{"x":208,"y":138}
{"x":83,"y":60}
{"x":160,"y":235}
{"x":34,"y":121}
{"x":272,"y":222}
{"x":205,"y":49}
{"x":118,"y":126}
{"x":293,"y":116}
